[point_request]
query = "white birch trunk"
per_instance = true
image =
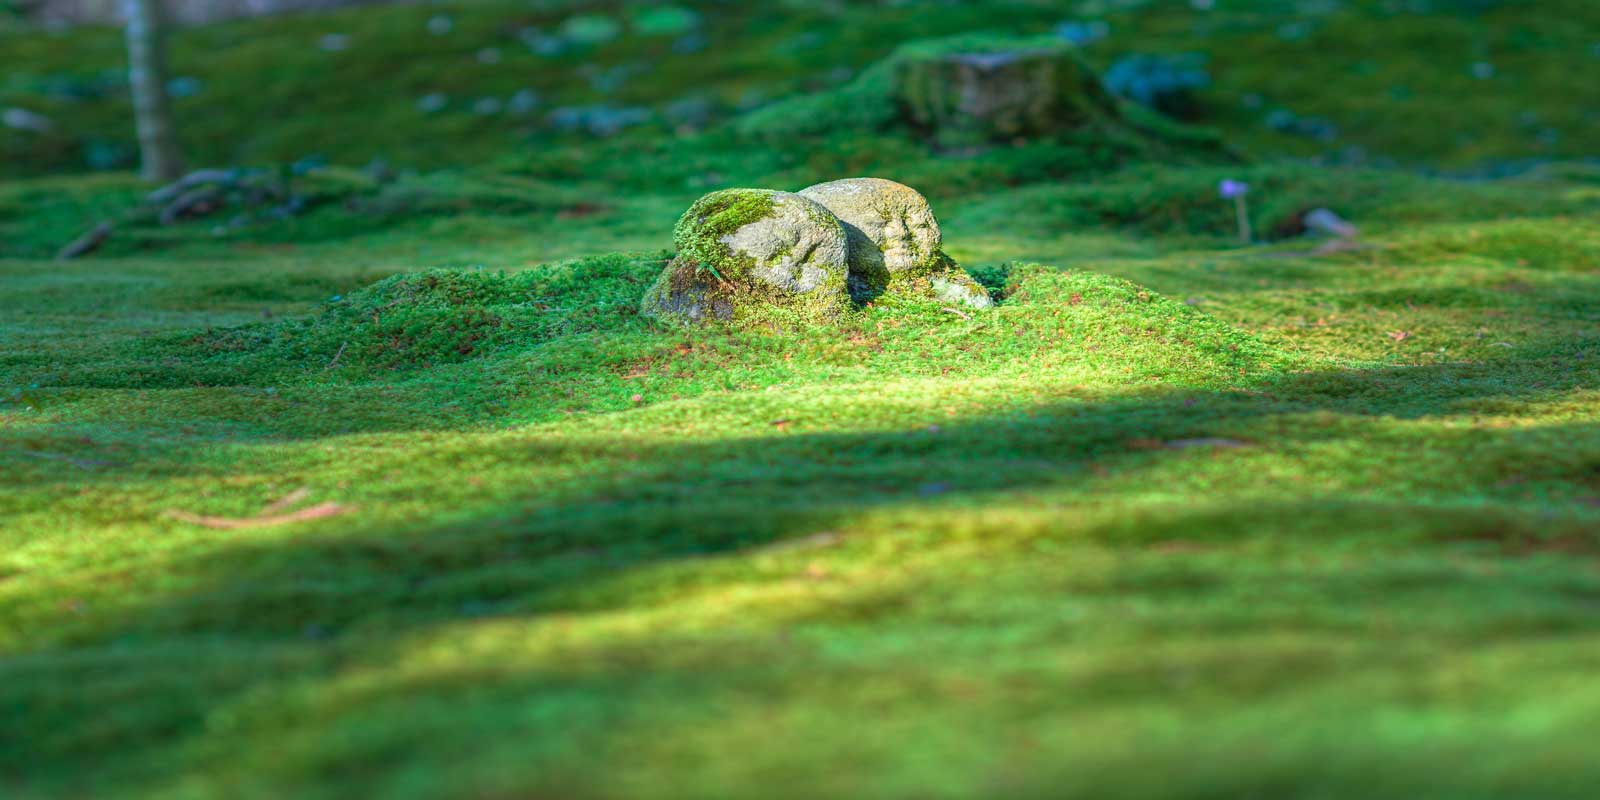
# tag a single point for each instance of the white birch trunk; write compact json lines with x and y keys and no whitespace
{"x":160,"y":159}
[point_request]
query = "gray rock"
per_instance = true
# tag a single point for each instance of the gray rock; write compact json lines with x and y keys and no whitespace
{"x":895,"y":242}
{"x":24,"y":120}
{"x":432,"y":103}
{"x":1324,"y":221}
{"x":743,"y":253}
{"x":523,"y":102}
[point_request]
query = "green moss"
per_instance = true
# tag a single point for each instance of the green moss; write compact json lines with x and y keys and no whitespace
{"x":1268,"y":522}
{"x":708,"y":281}
{"x":1232,"y":445}
{"x":407,"y":322}
{"x":915,"y":90}
{"x":700,"y":231}
{"x":1155,"y":201}
{"x":684,"y":295}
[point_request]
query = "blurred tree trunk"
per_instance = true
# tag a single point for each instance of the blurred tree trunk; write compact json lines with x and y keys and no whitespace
{"x":147,"y":78}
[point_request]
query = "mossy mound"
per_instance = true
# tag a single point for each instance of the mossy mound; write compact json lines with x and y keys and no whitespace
{"x":422,"y":319}
{"x":1119,"y":330}
{"x":749,"y":255}
{"x":976,"y":89}
{"x":996,"y":91}
{"x":1156,"y":201}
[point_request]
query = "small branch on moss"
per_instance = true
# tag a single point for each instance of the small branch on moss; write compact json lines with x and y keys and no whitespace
{"x":319,"y":511}
{"x":87,"y":243}
{"x":288,"y":501}
{"x":335,"y":361}
{"x":194,"y":203}
{"x":958,"y":312}
{"x":171,"y":191}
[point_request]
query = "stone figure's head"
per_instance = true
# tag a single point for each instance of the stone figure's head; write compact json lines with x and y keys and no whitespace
{"x":890,"y":224}
{"x":781,"y":239}
{"x":745,"y":254}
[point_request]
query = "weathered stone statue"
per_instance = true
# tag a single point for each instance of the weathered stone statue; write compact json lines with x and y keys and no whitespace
{"x":747,"y":254}
{"x":895,"y":243}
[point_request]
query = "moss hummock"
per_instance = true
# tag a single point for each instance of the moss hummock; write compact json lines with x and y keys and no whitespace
{"x":971,"y":93}
{"x":976,"y":90}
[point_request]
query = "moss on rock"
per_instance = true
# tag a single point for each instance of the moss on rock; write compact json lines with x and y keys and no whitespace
{"x":975,"y":92}
{"x":754,"y":255}
{"x":978,"y":89}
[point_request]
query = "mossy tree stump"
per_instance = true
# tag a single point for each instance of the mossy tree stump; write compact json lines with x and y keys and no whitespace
{"x":994,"y":94}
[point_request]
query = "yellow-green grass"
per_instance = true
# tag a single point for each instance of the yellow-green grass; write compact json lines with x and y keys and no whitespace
{"x":1178,"y":518}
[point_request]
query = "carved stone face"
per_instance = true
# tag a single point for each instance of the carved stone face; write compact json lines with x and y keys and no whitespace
{"x":890,"y":224}
{"x":800,"y":247}
{"x":743,"y":252}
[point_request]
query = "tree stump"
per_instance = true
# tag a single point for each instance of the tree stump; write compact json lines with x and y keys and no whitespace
{"x":973,"y":97}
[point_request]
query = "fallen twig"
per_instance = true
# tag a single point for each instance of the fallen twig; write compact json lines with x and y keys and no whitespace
{"x":287,"y":501}
{"x":319,"y":511}
{"x":822,"y":539}
{"x":87,"y":243}
{"x":170,"y":192}
{"x":274,"y":513}
{"x":958,"y":312}
{"x":193,"y":203}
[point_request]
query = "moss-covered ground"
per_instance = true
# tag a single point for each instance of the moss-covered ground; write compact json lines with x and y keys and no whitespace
{"x":1178,"y":518}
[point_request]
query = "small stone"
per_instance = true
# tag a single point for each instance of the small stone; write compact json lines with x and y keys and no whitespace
{"x":1325,"y":221}
{"x":1281,"y":119}
{"x":1081,"y":33}
{"x":1293,"y":31}
{"x":599,"y":120}
{"x":523,"y":102}
{"x":441,"y":25}
{"x":334,"y":42}
{"x":690,"y":44}
{"x":690,"y":113}
{"x":432,"y":103}
{"x":184,"y":86}
{"x":24,"y":120}
{"x":487,"y":106}
{"x":489,"y":55}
